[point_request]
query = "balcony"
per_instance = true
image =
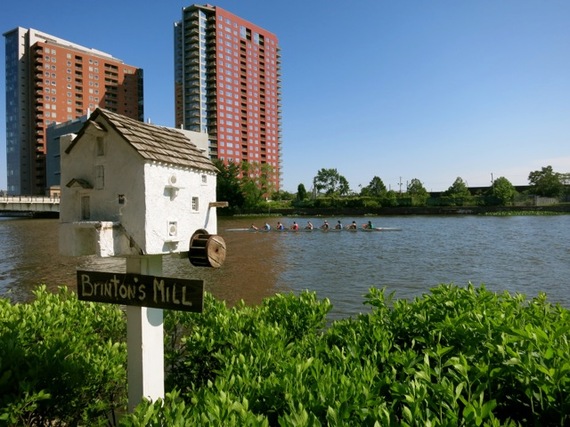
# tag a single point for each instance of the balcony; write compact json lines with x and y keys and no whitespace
{"x":190,"y":31}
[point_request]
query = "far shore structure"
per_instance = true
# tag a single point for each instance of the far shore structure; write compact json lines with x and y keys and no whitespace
{"x":50,"y":80}
{"x":227,"y":83}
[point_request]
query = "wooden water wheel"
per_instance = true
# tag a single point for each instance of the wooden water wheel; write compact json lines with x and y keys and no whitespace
{"x":207,"y":250}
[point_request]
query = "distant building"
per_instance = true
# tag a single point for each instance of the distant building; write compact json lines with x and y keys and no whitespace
{"x":228,"y":84}
{"x":53,"y":156}
{"x":50,"y":80}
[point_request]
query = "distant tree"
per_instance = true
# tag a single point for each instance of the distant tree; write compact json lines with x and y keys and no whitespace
{"x":565,"y":180}
{"x":301,"y":192}
{"x":390,"y":199}
{"x":546,"y":182}
{"x":331,"y":182}
{"x":418,"y":192}
{"x":503,"y":190}
{"x":261,"y":174}
{"x":256,"y":182}
{"x":343,"y":187}
{"x":458,"y":189}
{"x":376,"y":188}
{"x":228,"y":188}
{"x":282,"y":195}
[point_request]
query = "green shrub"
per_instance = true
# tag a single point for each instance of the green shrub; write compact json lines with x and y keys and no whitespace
{"x":61,"y":359}
{"x":455,"y":356}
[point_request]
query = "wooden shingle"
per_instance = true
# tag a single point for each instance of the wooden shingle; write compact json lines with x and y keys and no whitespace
{"x":152,"y":142}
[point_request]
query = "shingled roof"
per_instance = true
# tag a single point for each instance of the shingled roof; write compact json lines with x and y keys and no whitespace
{"x":152,"y":142}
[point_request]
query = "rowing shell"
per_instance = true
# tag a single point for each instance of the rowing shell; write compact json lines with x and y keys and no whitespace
{"x":301,"y":230}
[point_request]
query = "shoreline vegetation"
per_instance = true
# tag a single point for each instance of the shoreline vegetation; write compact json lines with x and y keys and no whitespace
{"x":248,"y":189}
{"x":275,"y":211}
{"x":454,"y":356}
{"x":559,"y":209}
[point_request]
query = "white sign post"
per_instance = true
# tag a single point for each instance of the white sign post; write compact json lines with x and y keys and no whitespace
{"x":145,"y":340}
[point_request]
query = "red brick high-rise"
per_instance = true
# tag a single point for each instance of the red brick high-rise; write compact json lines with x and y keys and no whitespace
{"x":227,"y":83}
{"x":51,"y":80}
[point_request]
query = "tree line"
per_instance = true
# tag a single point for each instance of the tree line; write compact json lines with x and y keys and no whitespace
{"x":248,"y":186}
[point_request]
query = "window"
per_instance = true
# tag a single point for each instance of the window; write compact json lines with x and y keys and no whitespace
{"x":99,"y":177}
{"x":85,"y":210}
{"x":100,"y":147}
{"x":204,"y":179}
{"x":195,"y":204}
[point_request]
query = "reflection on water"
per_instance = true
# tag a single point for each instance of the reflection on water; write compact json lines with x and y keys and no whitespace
{"x":248,"y":273}
{"x":517,"y":254}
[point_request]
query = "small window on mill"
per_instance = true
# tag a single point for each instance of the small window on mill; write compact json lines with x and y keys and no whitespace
{"x":100,"y":147}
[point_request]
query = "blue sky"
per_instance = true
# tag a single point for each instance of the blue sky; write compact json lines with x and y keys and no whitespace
{"x":405,"y":89}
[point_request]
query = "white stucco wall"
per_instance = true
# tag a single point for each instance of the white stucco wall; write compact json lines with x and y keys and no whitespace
{"x":200,"y":139}
{"x":169,"y":206}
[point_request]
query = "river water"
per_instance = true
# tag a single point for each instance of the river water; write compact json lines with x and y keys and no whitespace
{"x":518,"y":254}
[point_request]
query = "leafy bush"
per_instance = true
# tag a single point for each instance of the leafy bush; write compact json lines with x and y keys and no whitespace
{"x":61,"y":360}
{"x":455,"y":356}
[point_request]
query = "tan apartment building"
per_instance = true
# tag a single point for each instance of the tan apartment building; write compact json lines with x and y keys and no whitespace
{"x":51,"y":80}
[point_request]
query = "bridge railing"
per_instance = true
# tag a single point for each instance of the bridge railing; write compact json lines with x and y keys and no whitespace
{"x":29,"y":199}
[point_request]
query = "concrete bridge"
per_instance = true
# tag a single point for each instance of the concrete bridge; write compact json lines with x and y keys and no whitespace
{"x":32,"y":205}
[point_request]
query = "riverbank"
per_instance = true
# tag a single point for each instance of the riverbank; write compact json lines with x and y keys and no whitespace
{"x":407,"y":210}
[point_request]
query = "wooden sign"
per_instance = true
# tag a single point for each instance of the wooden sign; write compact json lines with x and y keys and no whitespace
{"x":140,"y":290}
